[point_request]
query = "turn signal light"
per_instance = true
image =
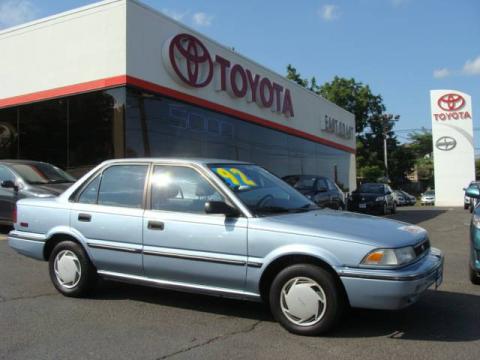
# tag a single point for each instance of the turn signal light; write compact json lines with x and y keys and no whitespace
{"x":374,"y":258}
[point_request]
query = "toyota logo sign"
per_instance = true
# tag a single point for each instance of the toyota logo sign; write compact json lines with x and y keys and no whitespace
{"x":451,"y":102}
{"x":191,"y":60}
{"x":446,"y":143}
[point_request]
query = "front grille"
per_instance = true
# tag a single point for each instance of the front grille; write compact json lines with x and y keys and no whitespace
{"x":422,"y":247}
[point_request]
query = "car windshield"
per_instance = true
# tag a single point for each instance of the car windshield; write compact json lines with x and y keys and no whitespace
{"x":262,"y":192}
{"x":305,"y":183}
{"x":41,"y":174}
{"x":371,"y":188}
{"x":430,"y":193}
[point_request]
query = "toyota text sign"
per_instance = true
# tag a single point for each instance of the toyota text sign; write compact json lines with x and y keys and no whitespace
{"x":190,"y":62}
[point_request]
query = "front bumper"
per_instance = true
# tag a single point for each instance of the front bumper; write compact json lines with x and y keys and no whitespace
{"x":392,"y":289}
{"x":368,"y":206}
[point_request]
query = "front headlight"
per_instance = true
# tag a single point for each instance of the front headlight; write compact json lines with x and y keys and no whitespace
{"x":476,"y":221}
{"x":380,"y":198}
{"x":389,"y":257}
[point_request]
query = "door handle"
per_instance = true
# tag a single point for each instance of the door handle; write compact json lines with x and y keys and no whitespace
{"x":84,"y":217}
{"x":156,"y":225}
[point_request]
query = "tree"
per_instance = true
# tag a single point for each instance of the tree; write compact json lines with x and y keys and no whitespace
{"x":370,"y":173}
{"x":372,"y":124}
{"x":354,"y":97}
{"x":421,"y":143}
{"x":293,"y":75}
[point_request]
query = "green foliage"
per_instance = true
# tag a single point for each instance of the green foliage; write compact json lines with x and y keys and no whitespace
{"x":372,"y":124}
{"x":421,"y":143}
{"x":370,"y":173}
{"x":354,"y":97}
{"x":424,"y":168}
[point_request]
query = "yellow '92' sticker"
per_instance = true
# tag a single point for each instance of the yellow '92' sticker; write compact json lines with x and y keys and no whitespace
{"x":235,"y":177}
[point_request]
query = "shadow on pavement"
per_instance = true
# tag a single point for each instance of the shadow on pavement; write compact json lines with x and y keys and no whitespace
{"x":416,"y":216}
{"x":5,"y":229}
{"x":438,"y":316}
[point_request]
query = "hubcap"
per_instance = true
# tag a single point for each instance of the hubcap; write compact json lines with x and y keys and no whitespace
{"x":303,"y":301}
{"x":67,"y":269}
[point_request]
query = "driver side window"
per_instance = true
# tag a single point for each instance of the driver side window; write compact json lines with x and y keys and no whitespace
{"x":181,"y":189}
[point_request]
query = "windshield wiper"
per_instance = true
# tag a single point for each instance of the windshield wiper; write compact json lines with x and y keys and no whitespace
{"x":304,"y":208}
{"x":272,"y":209}
{"x":59,"y":181}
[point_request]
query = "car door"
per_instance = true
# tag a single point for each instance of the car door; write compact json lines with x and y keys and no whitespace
{"x":109,"y":214}
{"x":8,"y":196}
{"x":183,"y":244}
{"x":336,"y":201}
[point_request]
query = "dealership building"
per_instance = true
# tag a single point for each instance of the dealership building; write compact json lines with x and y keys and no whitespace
{"x":120,"y":79}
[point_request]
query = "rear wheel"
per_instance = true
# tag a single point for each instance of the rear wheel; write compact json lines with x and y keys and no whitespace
{"x":306,"y":299}
{"x":71,"y":271}
{"x":474,"y":277}
{"x":394,"y":208}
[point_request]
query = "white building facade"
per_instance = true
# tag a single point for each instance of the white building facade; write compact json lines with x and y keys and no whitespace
{"x":119,"y":79}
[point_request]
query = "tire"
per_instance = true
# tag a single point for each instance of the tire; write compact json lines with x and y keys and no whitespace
{"x":322,"y":284}
{"x":474,"y":276}
{"x":79,"y":275}
{"x":466,"y":206}
{"x":385,"y":209}
{"x":394,"y":209}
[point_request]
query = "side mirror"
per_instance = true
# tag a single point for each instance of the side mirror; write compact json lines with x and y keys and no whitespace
{"x":473,"y":192}
{"x":220,"y":207}
{"x":321,"y":189}
{"x":9,"y":184}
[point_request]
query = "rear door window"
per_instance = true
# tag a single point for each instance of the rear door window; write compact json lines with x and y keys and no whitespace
{"x":123,"y":185}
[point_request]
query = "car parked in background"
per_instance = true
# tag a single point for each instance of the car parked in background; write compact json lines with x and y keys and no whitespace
{"x":24,"y":178}
{"x":225,"y":228}
{"x":373,"y":198}
{"x":468,"y":202}
{"x":399,"y":198}
{"x":473,"y":192}
{"x":320,"y":189}
{"x":409,"y":199}
{"x":428,"y":198}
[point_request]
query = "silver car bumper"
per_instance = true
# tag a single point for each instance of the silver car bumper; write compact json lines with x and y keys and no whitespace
{"x":392,"y":289}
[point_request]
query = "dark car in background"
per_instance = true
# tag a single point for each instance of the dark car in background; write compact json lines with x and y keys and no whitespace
{"x":25,"y":179}
{"x":373,"y":198}
{"x":404,"y":198}
{"x":320,"y":189}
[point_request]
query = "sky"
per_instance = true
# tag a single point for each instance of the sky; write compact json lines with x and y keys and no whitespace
{"x":401,"y":48}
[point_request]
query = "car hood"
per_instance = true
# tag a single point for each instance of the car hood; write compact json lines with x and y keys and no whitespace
{"x":54,"y":189}
{"x":365,"y":196}
{"x":345,"y":226}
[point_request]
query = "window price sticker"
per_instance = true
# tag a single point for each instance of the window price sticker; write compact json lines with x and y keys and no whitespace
{"x":235,"y":178}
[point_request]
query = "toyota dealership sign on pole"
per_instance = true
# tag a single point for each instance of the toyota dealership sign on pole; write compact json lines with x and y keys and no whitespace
{"x":453,"y":146}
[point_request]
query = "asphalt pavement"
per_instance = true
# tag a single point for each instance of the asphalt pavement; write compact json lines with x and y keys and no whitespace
{"x":131,"y":322}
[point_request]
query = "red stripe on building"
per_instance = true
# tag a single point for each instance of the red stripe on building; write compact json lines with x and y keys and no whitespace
{"x":130,"y":80}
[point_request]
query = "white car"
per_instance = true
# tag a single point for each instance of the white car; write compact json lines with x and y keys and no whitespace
{"x":428,"y":198}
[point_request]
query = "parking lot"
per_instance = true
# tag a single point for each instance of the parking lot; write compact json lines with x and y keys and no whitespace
{"x":124,"y":321}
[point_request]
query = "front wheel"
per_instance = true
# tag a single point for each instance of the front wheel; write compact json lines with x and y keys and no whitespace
{"x":71,"y":271}
{"x":306,"y":299}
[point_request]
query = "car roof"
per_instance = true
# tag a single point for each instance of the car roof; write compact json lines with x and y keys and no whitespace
{"x":199,"y":161}
{"x":17,"y":161}
{"x":306,"y":176}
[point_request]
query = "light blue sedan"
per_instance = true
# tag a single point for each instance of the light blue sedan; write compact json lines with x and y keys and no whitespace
{"x":229,"y":229}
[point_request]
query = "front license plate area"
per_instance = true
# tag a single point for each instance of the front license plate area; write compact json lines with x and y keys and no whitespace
{"x":362,"y":206}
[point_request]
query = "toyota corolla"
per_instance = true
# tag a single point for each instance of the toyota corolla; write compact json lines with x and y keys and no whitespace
{"x":229,"y":229}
